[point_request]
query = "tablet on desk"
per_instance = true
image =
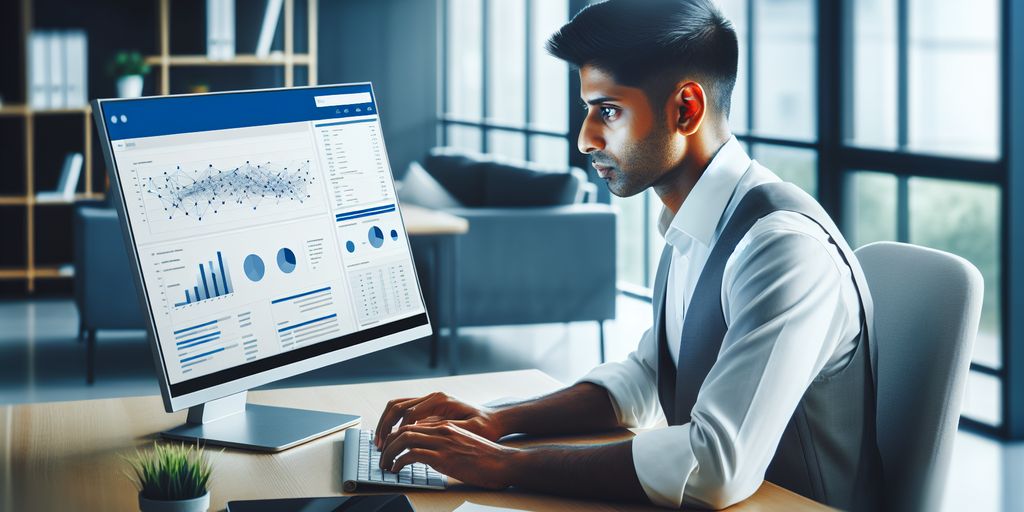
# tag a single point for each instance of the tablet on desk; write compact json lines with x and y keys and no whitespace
{"x":376,"y":503}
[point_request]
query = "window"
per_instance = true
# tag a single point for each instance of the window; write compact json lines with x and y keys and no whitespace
{"x":934,"y":178}
{"x":891,"y":161}
{"x":888,"y":111}
{"x":503,"y":94}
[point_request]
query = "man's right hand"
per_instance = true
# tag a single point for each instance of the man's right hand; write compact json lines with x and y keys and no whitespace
{"x":482,"y":421}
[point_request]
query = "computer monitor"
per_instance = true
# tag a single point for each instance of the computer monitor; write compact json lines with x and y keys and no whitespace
{"x":265,"y":240}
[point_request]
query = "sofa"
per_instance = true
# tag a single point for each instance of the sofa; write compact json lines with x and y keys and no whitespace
{"x":540,"y":249}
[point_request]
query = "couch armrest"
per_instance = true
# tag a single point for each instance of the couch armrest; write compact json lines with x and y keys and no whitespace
{"x":535,"y":265}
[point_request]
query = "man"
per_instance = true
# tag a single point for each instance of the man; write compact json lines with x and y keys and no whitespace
{"x":757,"y":355}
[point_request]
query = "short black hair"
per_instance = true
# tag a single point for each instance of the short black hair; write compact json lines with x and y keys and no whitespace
{"x":652,"y":43}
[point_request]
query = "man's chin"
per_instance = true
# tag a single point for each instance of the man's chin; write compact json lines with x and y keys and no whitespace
{"x":618,"y":190}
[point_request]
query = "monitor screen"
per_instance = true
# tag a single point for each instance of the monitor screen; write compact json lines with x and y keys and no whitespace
{"x":265,"y":227}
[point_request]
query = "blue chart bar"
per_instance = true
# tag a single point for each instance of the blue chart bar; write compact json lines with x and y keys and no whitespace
{"x":307,"y":322}
{"x":369,"y":212}
{"x":199,"y":337}
{"x":212,"y":281}
{"x":198,"y":356}
{"x":299,"y":295}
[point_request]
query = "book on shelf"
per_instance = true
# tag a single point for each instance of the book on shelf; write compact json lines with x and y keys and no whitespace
{"x":57,"y":74}
{"x":269,"y":28}
{"x":220,"y":29}
{"x":68,"y":184}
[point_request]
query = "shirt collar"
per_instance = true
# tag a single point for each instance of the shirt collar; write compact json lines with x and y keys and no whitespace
{"x":702,"y":209}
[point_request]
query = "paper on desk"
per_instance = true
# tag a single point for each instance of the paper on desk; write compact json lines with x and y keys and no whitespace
{"x":474,"y":507}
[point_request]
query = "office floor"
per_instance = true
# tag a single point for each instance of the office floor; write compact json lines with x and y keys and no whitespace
{"x":41,"y":361}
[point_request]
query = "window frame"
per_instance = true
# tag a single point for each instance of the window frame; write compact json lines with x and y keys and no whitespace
{"x":486,"y":124}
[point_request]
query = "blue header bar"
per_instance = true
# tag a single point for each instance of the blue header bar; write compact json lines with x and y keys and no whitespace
{"x":169,"y":115}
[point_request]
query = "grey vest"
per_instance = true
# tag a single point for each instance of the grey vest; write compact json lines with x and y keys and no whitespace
{"x":828,"y":451}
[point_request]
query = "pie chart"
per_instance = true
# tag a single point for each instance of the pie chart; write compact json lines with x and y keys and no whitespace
{"x":351,"y":247}
{"x":286,"y":260}
{"x":376,"y":237}
{"x":394,"y":234}
{"x":254,"y":267}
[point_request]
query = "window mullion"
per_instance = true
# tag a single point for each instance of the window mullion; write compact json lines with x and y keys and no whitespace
{"x":485,"y":43}
{"x":528,"y":76}
{"x":902,"y":74}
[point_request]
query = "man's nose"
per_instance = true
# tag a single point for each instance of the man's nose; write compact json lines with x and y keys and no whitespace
{"x":590,"y":139}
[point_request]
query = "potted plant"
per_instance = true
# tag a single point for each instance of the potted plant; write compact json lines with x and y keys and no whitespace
{"x":129,"y":68}
{"x":172,"y":478}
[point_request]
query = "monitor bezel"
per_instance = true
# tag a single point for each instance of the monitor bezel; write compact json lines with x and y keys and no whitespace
{"x":259,"y":378}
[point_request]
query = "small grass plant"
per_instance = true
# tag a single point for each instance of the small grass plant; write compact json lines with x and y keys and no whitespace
{"x":170,"y":472}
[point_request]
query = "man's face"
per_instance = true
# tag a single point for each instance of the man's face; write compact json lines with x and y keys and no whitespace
{"x":631,"y":141}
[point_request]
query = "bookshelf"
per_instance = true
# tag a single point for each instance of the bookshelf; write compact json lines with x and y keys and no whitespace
{"x":25,"y":203}
{"x":25,"y":222}
{"x":165,"y":62}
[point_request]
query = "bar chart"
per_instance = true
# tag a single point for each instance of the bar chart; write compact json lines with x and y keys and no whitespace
{"x":212,"y":280}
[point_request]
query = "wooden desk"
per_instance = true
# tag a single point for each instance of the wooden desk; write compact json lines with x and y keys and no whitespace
{"x":66,"y":456}
{"x":441,"y":230}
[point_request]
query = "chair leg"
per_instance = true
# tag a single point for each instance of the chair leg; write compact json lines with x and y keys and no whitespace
{"x":600,"y":329}
{"x":90,"y":356}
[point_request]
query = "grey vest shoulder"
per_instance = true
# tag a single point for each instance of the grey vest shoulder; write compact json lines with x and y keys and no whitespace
{"x":828,"y":451}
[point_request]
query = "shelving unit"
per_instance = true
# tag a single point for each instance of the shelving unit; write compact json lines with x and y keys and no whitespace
{"x":288,"y":59}
{"x":21,"y":206}
{"x":31,"y":270}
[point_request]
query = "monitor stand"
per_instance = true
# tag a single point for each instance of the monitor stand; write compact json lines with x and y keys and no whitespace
{"x":230,"y":421}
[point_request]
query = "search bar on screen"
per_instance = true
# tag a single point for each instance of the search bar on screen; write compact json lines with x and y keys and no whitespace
{"x":336,"y":100}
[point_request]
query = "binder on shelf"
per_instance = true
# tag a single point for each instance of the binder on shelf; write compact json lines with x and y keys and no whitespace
{"x":220,"y":29}
{"x":55,"y":82}
{"x":57,"y":74}
{"x":75,"y":68}
{"x":38,"y":68}
{"x":68,"y":183}
{"x":269,"y":29}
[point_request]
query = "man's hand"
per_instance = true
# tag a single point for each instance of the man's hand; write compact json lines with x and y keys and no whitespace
{"x":436,"y":407}
{"x":451,"y":450}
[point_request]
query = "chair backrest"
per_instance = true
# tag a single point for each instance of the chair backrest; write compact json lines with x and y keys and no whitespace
{"x":927,"y":309}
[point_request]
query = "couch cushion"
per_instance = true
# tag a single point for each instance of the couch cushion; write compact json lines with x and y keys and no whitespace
{"x":420,"y":188}
{"x":479,"y":180}
{"x":508,"y":184}
{"x":456,"y":172}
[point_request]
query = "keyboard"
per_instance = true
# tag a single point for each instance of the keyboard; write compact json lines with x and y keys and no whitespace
{"x":361,"y":466}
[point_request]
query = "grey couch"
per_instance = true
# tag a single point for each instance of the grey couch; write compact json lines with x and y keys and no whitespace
{"x":539,"y":248}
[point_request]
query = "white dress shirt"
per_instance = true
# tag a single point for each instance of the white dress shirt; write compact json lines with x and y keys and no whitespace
{"x":792,"y":314}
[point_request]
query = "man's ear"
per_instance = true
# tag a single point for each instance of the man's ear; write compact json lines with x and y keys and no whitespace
{"x":689,"y":102}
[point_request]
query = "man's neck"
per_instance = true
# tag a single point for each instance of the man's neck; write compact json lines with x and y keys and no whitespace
{"x":675,"y":187}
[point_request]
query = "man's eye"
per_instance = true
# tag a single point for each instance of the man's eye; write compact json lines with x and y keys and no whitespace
{"x":609,"y":113}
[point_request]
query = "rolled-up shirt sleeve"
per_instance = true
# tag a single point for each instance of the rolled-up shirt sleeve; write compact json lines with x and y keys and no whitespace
{"x":632,"y":384}
{"x":786,"y":308}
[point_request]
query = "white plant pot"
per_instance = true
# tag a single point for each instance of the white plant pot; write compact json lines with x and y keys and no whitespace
{"x":200,"y":504}
{"x":129,"y":86}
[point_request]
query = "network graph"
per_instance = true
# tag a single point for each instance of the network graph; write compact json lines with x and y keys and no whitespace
{"x":205,"y":192}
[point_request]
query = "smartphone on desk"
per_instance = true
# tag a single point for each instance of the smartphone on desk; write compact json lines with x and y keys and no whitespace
{"x":368,"y":503}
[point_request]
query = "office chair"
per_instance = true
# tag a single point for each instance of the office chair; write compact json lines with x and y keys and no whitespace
{"x":927,"y":309}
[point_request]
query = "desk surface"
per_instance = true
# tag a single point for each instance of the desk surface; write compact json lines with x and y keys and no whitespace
{"x":423,"y":221}
{"x":67,"y":456}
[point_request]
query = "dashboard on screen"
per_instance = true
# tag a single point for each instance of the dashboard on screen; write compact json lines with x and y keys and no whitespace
{"x":265,"y":225}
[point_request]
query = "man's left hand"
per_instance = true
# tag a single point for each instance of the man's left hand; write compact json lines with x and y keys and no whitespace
{"x":451,"y":450}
